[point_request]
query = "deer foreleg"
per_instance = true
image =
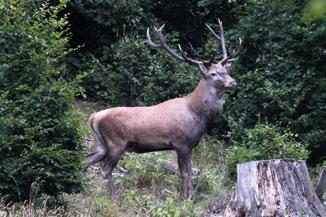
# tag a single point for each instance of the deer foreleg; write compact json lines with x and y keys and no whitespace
{"x":184,"y":163}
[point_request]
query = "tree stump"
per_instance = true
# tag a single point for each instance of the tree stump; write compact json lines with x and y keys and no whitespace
{"x":321,"y":184}
{"x":274,"y":188}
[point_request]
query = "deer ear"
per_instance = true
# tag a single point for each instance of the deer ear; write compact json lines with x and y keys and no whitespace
{"x":203,"y":68}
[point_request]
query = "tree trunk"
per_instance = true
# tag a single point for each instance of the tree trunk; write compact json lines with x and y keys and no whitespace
{"x":274,"y":188}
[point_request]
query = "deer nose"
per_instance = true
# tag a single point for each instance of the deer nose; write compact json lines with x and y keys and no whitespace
{"x":231,"y":84}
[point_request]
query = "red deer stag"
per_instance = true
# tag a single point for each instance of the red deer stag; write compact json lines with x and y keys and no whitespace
{"x":176,"y":124}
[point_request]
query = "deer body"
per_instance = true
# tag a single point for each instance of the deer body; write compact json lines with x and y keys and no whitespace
{"x":165,"y":126}
{"x":177,"y":124}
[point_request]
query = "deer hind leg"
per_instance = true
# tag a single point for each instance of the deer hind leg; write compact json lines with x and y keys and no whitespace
{"x":100,"y":149}
{"x":109,"y":163}
{"x":95,"y":156}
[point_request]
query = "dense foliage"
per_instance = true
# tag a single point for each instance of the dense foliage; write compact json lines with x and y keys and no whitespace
{"x":281,"y":72}
{"x":39,"y":142}
{"x":136,"y":75}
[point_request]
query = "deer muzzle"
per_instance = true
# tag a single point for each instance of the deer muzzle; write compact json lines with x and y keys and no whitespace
{"x":231,"y":84}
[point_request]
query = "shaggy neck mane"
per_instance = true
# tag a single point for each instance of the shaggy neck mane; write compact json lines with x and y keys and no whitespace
{"x":205,"y":101}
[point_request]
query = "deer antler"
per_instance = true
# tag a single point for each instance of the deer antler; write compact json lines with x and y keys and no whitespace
{"x":182,"y":57}
{"x":226,"y":58}
{"x":170,"y":51}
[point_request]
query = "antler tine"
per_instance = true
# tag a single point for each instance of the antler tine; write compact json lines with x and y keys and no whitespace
{"x":216,"y":36}
{"x":190,"y":60}
{"x":182,"y":53}
{"x":225,"y":54}
{"x":191,"y":48}
{"x":164,"y":46}
{"x":220,"y":38}
{"x":150,"y":42}
{"x":235,"y":52}
{"x":159,"y":29}
{"x":187,"y":59}
{"x":226,"y":57}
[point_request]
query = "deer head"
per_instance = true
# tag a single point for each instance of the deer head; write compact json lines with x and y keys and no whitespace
{"x":216,"y":74}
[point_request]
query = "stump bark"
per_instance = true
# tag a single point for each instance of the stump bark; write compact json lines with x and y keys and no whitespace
{"x":321,"y":184}
{"x":274,"y":188}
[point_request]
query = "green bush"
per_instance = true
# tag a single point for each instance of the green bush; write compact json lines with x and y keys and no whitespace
{"x":136,"y":73}
{"x":39,"y":141}
{"x":280,"y":72}
{"x":264,"y":142}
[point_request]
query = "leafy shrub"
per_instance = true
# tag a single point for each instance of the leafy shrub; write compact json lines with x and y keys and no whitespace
{"x":280,"y":72}
{"x":136,"y":73}
{"x":239,"y":154}
{"x":273,"y":144}
{"x":39,"y":142}
{"x":265,"y":142}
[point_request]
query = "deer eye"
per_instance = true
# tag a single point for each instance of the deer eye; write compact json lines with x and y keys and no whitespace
{"x":223,"y":73}
{"x":213,"y":74}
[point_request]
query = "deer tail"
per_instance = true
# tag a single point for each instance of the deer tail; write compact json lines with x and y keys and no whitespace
{"x":100,"y":148}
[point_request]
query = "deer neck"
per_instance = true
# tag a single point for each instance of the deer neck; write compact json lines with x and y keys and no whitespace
{"x":206,"y":102}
